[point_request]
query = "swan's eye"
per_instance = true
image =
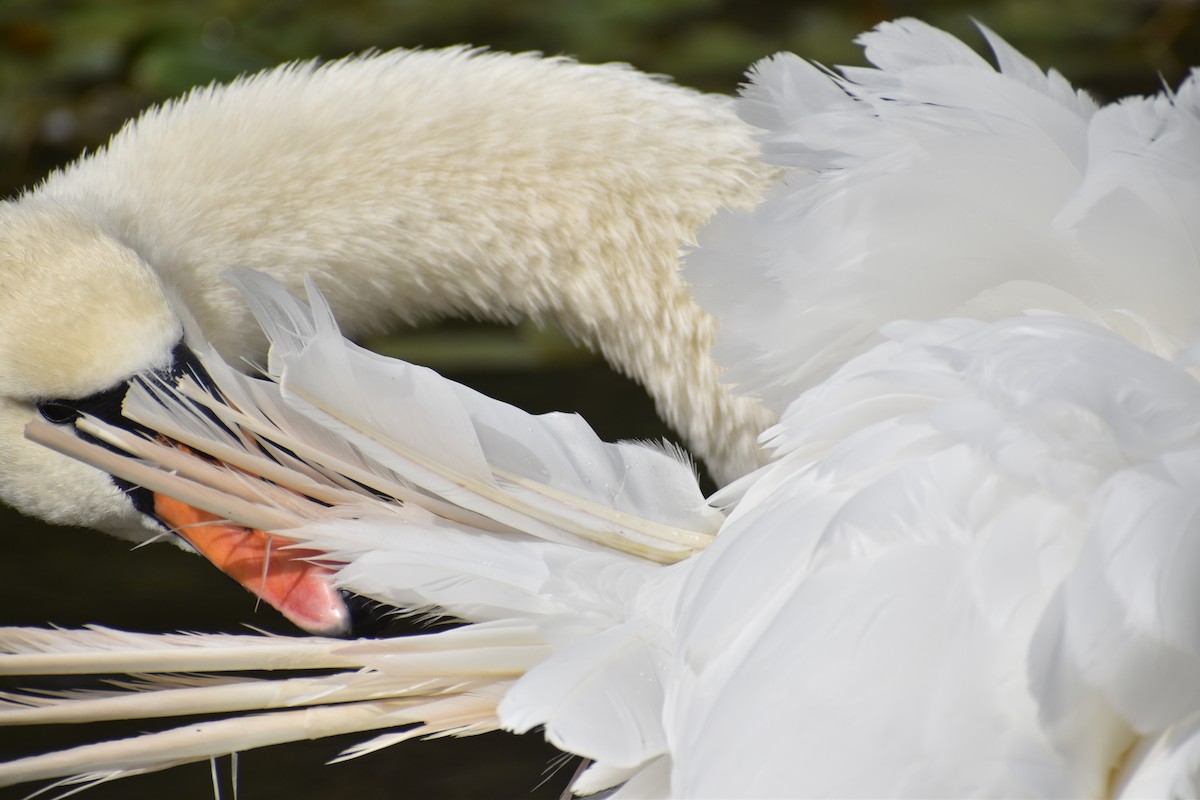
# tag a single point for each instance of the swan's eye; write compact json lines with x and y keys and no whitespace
{"x":106,"y":405}
{"x":57,"y":412}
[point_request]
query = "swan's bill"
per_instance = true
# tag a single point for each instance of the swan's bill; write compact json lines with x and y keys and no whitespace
{"x":269,"y":566}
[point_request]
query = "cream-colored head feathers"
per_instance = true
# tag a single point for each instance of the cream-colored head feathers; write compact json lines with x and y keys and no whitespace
{"x":79,"y":311}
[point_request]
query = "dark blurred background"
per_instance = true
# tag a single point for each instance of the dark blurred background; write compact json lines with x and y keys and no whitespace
{"x":71,"y":72}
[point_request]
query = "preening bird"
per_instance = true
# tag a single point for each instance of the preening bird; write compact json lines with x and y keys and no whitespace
{"x":968,"y":569}
{"x":408,"y":185}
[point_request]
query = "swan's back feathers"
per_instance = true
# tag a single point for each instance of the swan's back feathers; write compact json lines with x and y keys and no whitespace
{"x":973,"y":556}
{"x":934,"y":185}
{"x":972,"y":552}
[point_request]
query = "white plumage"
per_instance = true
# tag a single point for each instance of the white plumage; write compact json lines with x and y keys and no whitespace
{"x":969,"y":568}
{"x":995,"y":271}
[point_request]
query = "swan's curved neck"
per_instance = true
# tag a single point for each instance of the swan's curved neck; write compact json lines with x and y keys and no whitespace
{"x":412,"y":185}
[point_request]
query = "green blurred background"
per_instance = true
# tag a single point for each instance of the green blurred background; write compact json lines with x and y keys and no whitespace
{"x":71,"y":72}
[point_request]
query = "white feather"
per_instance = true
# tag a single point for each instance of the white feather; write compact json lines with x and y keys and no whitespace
{"x":446,"y":683}
{"x":466,"y":445}
{"x":970,"y":553}
{"x":968,"y":571}
{"x":468,"y":529}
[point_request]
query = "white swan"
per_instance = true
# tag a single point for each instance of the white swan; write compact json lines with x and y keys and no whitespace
{"x":969,"y":569}
{"x":409,"y":185}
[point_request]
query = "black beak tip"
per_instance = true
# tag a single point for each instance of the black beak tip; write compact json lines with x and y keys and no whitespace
{"x":368,"y":618}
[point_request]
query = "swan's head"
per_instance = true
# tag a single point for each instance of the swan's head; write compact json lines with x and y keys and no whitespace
{"x":81,"y":316}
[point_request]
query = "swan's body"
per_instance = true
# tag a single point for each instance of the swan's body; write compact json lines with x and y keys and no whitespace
{"x":409,"y":185}
{"x":969,"y":569}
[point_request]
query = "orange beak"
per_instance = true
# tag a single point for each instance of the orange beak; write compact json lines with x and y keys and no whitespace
{"x":266,"y":564}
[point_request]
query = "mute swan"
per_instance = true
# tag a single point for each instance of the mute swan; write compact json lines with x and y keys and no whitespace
{"x":409,"y":185}
{"x":968,"y":570}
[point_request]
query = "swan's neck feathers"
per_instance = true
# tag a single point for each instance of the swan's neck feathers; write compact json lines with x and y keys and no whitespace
{"x":411,"y":185}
